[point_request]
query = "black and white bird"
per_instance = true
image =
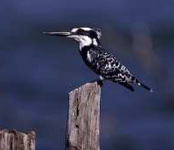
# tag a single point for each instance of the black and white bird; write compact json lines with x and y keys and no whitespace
{"x":98,"y":59}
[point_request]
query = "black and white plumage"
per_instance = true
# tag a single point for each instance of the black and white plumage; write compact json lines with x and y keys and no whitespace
{"x":98,"y":59}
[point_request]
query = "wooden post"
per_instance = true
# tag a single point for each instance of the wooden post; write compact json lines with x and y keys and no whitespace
{"x":83,"y":118}
{"x":15,"y":140}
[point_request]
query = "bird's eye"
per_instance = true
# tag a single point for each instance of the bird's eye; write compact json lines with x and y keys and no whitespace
{"x":80,"y":31}
{"x":93,"y":34}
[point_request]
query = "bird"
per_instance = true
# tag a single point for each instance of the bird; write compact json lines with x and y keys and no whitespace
{"x":98,"y":59}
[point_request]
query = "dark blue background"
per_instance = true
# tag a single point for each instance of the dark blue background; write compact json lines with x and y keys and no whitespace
{"x":37,"y":71}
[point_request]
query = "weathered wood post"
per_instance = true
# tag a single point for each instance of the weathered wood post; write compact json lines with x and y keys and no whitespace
{"x":15,"y":140}
{"x":84,"y":117}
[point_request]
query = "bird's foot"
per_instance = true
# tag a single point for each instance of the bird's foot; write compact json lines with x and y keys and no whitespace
{"x":99,"y":81}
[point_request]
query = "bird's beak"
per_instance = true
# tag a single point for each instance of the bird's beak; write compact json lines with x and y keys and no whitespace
{"x":66,"y":34}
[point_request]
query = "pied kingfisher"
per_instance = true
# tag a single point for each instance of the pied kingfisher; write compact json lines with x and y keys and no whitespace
{"x":98,"y":59}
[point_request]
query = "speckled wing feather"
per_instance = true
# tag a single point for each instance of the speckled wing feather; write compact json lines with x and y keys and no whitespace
{"x":106,"y":65}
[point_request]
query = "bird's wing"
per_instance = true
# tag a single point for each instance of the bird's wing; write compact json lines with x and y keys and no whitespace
{"x":111,"y":68}
{"x":106,"y":65}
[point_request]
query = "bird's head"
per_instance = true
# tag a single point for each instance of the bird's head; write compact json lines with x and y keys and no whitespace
{"x":84,"y":35}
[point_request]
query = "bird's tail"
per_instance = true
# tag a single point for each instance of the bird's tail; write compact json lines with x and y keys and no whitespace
{"x":127,"y":85}
{"x":143,"y":85}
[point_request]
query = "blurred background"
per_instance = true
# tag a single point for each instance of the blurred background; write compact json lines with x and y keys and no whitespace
{"x":37,"y":72}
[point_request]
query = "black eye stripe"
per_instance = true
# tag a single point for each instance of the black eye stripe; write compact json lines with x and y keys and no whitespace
{"x":91,"y":33}
{"x":80,"y":31}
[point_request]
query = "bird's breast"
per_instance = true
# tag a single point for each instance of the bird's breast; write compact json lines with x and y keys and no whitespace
{"x":88,"y":56}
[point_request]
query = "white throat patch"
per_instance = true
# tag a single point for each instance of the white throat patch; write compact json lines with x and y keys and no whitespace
{"x":82,"y":39}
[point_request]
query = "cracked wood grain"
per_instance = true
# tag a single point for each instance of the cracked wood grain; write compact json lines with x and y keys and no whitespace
{"x":15,"y":140}
{"x":83,"y":118}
